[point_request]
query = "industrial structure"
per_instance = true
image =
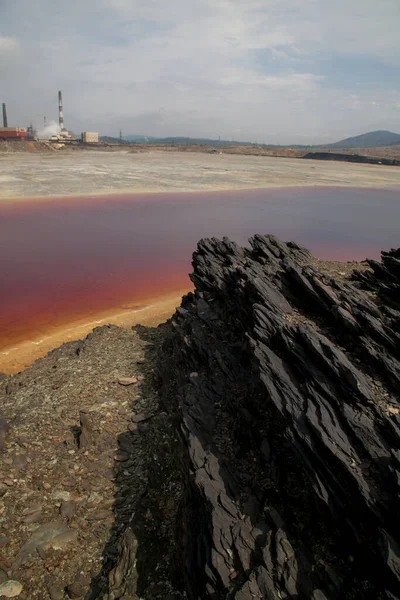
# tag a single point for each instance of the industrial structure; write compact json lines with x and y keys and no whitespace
{"x":64,"y":136}
{"x":90,"y":137}
{"x":60,"y":111}
{"x":5,"y":120}
{"x":11,"y":133}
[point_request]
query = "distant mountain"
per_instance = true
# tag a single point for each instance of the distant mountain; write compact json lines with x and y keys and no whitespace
{"x":373,"y":139}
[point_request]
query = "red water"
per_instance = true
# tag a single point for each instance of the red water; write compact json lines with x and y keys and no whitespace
{"x":64,"y":259}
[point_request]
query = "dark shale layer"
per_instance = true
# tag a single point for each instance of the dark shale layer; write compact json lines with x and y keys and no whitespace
{"x":285,"y":385}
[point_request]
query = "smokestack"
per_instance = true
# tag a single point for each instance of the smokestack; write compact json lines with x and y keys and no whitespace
{"x":60,"y":110}
{"x":5,"y":121}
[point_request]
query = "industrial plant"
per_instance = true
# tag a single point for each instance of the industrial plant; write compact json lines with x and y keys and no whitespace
{"x":63,"y":136}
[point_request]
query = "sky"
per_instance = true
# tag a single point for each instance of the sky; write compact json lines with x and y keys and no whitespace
{"x":266,"y":71}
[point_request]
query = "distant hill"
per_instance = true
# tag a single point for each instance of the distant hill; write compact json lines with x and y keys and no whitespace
{"x":141,"y":139}
{"x":180,"y":140}
{"x":373,"y":139}
{"x":111,"y":140}
{"x":189,"y":141}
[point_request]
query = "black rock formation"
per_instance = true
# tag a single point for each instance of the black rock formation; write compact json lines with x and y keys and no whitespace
{"x":285,"y":385}
{"x":354,"y":158}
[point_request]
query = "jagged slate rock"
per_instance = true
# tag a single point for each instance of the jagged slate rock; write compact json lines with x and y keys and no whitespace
{"x":383,"y":279}
{"x":123,"y":577}
{"x":292,"y":467}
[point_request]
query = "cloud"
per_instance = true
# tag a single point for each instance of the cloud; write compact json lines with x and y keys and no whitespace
{"x":9,"y":50}
{"x":8,"y":45}
{"x":264,"y":69}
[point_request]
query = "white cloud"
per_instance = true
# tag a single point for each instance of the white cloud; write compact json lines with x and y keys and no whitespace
{"x":9,"y":50}
{"x":239,"y":68}
{"x":8,"y":45}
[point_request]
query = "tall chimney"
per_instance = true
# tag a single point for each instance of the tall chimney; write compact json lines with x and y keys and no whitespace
{"x":5,"y":121}
{"x":60,"y":110}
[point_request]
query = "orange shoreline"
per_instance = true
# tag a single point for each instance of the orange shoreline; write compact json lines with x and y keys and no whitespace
{"x":17,"y":357}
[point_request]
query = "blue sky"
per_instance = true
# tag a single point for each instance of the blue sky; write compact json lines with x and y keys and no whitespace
{"x":276,"y":71}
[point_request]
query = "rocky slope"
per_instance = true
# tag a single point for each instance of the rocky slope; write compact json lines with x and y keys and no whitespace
{"x":286,"y":384}
{"x":64,"y":424}
{"x":254,"y":440}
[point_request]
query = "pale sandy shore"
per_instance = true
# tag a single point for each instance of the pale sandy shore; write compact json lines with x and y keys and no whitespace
{"x":19,"y":356}
{"x":93,"y":173}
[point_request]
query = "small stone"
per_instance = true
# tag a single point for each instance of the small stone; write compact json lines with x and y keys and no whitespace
{"x":85,"y":438}
{"x":127,"y":380}
{"x":3,"y":576}
{"x":108,"y":474}
{"x":132,"y":427}
{"x":98,"y":516}
{"x":20,"y":462}
{"x":33,"y":517}
{"x":11,"y":589}
{"x":47,"y":486}
{"x":68,"y":482}
{"x":32,"y":509}
{"x":61,"y":495}
{"x":60,"y":541}
{"x":121,"y":457}
{"x":78,"y":589}
{"x":139,"y":418}
{"x":56,"y":592}
{"x":95,"y":498}
{"x":67,"y":509}
{"x":50,"y":535}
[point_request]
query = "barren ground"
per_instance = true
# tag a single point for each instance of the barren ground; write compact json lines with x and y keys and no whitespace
{"x":86,"y":171}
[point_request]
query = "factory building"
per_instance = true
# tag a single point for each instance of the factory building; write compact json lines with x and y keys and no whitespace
{"x":11,"y":133}
{"x":63,"y":136}
{"x":90,"y":137}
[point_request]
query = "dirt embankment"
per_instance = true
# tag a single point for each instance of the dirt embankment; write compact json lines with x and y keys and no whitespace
{"x":58,"y":488}
{"x":13,"y":147}
{"x":390,"y":152}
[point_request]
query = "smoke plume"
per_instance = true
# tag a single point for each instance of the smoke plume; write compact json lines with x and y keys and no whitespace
{"x":52,"y":128}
